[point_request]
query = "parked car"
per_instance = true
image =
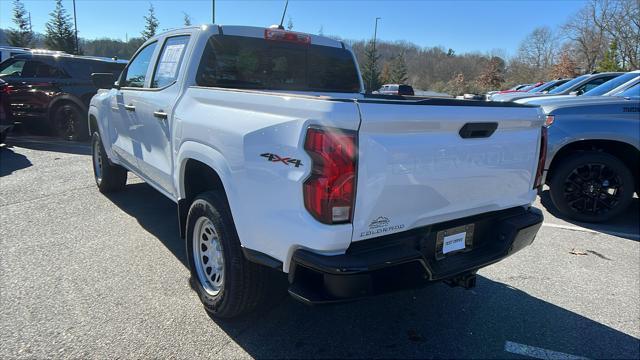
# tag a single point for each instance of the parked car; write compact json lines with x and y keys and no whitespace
{"x":577,"y":86}
{"x":612,"y":87}
{"x":594,"y":151}
{"x":263,"y":160}
{"x":548,"y":86}
{"x":543,"y":88}
{"x":5,"y":122}
{"x":52,"y":91}
{"x":396,"y":89}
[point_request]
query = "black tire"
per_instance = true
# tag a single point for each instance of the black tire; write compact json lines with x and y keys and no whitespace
{"x":591,"y":186}
{"x":245,"y":284}
{"x":69,"y":122}
{"x":109,"y":177}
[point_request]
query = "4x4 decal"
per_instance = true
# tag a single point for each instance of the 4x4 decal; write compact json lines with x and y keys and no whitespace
{"x":284,"y":160}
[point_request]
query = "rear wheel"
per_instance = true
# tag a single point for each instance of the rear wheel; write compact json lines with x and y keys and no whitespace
{"x":591,"y":186}
{"x":109,"y":177}
{"x":228,"y":285}
{"x":69,"y":122}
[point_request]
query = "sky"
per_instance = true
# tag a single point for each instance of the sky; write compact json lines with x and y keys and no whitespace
{"x":463,"y":25}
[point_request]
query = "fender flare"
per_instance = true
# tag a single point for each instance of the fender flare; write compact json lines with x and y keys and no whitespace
{"x":192,"y":150}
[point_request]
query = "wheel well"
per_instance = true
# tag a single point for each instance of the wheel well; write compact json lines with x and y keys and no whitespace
{"x":198,"y":177}
{"x":628,"y":154}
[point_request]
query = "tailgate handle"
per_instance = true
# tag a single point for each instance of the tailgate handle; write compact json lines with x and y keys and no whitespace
{"x":478,"y":130}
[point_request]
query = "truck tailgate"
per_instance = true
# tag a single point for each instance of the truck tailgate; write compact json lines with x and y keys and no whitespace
{"x":416,"y":168}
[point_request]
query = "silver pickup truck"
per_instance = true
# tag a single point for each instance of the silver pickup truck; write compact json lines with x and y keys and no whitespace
{"x":592,"y":165}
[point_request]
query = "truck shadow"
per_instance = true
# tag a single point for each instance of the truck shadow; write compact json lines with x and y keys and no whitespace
{"x":433,"y":322}
{"x":625,"y":225}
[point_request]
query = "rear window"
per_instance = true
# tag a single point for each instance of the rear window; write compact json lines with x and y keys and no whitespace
{"x":253,"y":63}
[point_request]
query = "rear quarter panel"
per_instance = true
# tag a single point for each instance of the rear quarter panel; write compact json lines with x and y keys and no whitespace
{"x":233,"y":129}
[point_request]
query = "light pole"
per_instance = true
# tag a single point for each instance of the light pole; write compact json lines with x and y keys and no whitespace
{"x":75,"y":26}
{"x":213,"y":11}
{"x":375,"y":34}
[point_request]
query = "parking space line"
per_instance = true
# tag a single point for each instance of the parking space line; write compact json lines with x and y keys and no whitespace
{"x":578,"y":228}
{"x":538,"y":353}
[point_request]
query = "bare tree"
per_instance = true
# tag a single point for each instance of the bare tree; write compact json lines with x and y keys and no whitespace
{"x":619,"y":20}
{"x":590,"y":41}
{"x":538,"y":50}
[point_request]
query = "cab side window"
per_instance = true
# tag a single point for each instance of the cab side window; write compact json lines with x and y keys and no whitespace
{"x":136,"y":73}
{"x":169,"y":61}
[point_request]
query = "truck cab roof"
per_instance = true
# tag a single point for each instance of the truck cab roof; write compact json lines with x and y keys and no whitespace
{"x":247,"y":31}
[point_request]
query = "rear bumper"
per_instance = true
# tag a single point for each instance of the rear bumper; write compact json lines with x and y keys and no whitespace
{"x":408,"y":259}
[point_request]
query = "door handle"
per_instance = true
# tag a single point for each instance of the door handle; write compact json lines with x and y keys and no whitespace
{"x":160,"y":114}
{"x":130,"y":108}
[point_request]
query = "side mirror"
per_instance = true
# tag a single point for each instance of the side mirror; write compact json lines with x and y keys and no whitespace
{"x":574,"y":93}
{"x":103,"y":80}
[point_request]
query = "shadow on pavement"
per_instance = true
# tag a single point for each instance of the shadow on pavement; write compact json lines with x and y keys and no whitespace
{"x":154,"y":212}
{"x":46,"y":143}
{"x":11,"y":161}
{"x":626,"y":225}
{"x":434,"y":322}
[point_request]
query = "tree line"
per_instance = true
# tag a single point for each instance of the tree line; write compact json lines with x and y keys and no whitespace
{"x":60,"y":33}
{"x":602,"y":36}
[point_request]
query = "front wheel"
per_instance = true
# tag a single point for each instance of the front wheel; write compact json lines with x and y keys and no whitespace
{"x":109,"y":177}
{"x":228,"y":285}
{"x":591,"y":186}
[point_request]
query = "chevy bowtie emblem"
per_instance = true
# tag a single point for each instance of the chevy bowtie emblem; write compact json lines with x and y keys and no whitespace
{"x":284,"y":160}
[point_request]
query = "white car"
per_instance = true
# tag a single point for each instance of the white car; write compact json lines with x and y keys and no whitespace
{"x":276,"y":158}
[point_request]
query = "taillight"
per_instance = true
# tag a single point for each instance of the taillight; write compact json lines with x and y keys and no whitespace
{"x":288,"y":36}
{"x":329,"y":192}
{"x":548,"y":121}
{"x":541,"y":159}
{"x":6,"y":89}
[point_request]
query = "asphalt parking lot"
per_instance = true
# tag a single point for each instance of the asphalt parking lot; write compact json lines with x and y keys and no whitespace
{"x":84,"y":275}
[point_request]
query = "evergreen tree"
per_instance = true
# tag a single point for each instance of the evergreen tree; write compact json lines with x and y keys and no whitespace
{"x":399,"y":71}
{"x":187,"y":19}
{"x":385,"y":76}
{"x":370,"y":71}
{"x":59,"y":33}
{"x":151,"y":25}
{"x":22,"y":36}
{"x":610,"y":60}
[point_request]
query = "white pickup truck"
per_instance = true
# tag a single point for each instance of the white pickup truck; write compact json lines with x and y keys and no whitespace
{"x":277,"y":158}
